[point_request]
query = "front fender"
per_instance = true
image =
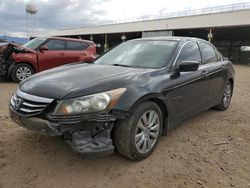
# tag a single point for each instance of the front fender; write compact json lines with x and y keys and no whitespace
{"x":29,"y":58}
{"x":161,"y":100}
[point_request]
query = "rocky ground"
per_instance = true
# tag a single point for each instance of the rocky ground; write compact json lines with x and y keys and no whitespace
{"x":209,"y":150}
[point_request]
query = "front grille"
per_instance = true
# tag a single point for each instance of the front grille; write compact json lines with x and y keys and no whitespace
{"x":27,"y":104}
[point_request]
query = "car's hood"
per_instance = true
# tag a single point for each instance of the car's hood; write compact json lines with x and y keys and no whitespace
{"x":22,"y":48}
{"x":58,"y":82}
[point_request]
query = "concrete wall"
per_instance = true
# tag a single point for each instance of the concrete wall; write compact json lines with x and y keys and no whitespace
{"x":225,"y":19}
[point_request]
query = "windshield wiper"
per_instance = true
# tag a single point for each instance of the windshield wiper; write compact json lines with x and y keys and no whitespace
{"x":121,"y":65}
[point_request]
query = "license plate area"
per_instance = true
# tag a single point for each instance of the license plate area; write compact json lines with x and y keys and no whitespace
{"x":16,"y":118}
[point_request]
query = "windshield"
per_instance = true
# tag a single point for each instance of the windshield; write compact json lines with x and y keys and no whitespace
{"x":140,"y":54}
{"x":34,"y":43}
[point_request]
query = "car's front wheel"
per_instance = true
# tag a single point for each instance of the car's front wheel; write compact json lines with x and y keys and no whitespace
{"x":137,"y":136}
{"x":21,"y":71}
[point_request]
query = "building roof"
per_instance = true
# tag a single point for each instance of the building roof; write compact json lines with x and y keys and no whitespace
{"x":236,"y":15}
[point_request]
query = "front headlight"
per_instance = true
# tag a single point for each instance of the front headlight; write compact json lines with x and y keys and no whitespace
{"x":90,"y":103}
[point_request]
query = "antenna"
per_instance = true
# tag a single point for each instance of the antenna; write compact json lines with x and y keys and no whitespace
{"x":31,"y":11}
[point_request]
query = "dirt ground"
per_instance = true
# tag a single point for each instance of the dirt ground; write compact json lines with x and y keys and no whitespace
{"x":210,"y":150}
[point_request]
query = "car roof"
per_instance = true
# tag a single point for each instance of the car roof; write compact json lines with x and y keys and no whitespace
{"x":70,"y":39}
{"x":173,"y":38}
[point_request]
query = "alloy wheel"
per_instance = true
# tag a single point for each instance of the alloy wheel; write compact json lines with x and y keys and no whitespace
{"x":23,"y":73}
{"x":227,"y":95}
{"x":147,"y":131}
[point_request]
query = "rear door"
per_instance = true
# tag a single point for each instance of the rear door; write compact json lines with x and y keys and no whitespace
{"x":54,"y":56}
{"x":212,"y":59}
{"x":76,"y":51}
{"x":189,"y":93}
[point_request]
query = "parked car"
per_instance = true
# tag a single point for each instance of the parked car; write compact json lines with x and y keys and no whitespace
{"x":128,"y":97}
{"x":244,"y":57}
{"x":39,"y":54}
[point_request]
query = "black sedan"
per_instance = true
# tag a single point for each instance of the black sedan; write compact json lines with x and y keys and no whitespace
{"x":128,"y":97}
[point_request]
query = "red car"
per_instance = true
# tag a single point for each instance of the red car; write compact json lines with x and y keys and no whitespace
{"x":20,"y":62}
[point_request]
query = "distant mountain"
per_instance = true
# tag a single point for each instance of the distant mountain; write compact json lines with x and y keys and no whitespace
{"x":17,"y":40}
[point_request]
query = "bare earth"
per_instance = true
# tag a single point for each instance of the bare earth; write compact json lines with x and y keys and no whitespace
{"x":210,"y":150}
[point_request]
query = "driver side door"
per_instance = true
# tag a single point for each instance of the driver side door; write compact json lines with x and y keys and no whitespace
{"x":54,"y":56}
{"x":188,"y":95}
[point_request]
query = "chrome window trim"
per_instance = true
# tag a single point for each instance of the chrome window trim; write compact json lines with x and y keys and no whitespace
{"x":180,"y":52}
{"x":34,"y":98}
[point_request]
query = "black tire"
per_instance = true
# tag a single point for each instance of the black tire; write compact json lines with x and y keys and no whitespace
{"x":125,"y":132}
{"x":224,"y":106}
{"x":17,"y":68}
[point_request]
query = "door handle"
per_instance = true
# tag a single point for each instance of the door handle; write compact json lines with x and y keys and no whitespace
{"x":204,"y":72}
{"x":61,"y":53}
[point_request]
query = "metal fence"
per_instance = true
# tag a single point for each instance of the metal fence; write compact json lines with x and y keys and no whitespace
{"x":204,"y":11}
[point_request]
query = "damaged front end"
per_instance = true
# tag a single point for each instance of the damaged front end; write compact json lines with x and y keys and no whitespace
{"x":7,"y":62}
{"x":88,"y":135}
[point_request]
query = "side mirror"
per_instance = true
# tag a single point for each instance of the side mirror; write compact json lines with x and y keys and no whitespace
{"x":187,"y":66}
{"x":43,"y":48}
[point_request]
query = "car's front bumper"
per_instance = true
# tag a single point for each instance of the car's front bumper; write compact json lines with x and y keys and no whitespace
{"x":35,"y":124}
{"x":88,"y":137}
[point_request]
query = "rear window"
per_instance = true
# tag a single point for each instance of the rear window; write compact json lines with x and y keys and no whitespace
{"x":72,"y":45}
{"x":208,"y":53}
{"x":219,"y":56}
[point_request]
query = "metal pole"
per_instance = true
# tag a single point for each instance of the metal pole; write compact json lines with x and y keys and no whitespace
{"x":27,"y":17}
{"x":106,"y":43}
{"x":210,"y":35}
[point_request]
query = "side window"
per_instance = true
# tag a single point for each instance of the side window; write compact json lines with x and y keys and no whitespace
{"x":219,"y":56}
{"x":72,"y":45}
{"x":208,"y":53}
{"x":190,"y":52}
{"x":55,"y":44}
{"x":84,"y":45}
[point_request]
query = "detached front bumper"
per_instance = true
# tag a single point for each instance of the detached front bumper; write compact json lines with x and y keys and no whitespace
{"x":88,"y":137}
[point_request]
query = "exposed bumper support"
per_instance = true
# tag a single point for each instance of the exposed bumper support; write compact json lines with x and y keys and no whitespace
{"x":88,"y":138}
{"x":87,"y":146}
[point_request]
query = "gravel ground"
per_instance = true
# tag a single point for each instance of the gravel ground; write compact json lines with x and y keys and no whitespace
{"x":209,"y":150}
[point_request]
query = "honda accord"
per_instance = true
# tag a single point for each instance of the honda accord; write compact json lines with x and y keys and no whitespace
{"x":128,"y":97}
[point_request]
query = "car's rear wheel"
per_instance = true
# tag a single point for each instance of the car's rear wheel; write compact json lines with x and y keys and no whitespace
{"x":137,"y":136}
{"x":21,"y":71}
{"x":226,"y":98}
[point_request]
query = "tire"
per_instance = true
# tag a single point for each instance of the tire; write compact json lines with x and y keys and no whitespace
{"x":226,"y":97}
{"x":126,"y":131}
{"x":21,"y":72}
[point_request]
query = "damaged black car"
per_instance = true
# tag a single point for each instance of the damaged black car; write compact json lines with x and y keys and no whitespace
{"x":128,"y":97}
